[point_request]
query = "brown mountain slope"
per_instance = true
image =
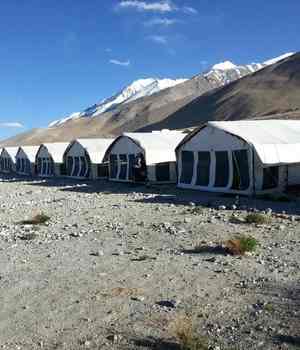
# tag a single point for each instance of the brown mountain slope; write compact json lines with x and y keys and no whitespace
{"x":129,"y":117}
{"x":271,"y":92}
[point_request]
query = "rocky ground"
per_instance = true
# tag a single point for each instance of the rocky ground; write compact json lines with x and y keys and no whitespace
{"x":116,"y":266}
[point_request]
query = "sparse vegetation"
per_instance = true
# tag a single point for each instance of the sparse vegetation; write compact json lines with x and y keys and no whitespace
{"x":183,"y":329}
{"x":257,"y":218}
{"x":38,"y":219}
{"x":241,"y":245}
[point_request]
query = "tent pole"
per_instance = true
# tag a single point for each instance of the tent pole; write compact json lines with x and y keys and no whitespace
{"x":253,"y":174}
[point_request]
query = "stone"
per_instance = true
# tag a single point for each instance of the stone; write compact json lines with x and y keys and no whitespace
{"x":171,"y":304}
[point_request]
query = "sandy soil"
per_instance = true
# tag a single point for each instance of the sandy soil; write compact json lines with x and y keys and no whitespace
{"x":98,"y":274}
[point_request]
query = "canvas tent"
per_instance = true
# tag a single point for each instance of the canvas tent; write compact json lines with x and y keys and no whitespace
{"x":25,"y":160}
{"x":84,"y":158}
{"x":156,"y":149}
{"x":8,"y":159}
{"x":246,"y":157}
{"x":49,"y":159}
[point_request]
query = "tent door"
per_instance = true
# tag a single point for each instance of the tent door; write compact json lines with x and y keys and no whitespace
{"x":162,"y":172}
{"x":241,"y":177}
{"x":187,"y":167}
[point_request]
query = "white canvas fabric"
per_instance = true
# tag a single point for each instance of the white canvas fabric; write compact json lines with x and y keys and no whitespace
{"x":11,"y":151}
{"x":159,"y":146}
{"x":96,"y":148}
{"x":29,"y":151}
{"x":275,"y":141}
{"x":56,"y":150}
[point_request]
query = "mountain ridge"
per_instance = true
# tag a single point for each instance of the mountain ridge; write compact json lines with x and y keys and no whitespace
{"x":144,"y":113}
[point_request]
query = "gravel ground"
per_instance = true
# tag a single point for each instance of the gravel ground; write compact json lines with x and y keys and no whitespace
{"x":116,"y":264}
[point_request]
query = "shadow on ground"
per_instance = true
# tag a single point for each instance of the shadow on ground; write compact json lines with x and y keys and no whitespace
{"x":156,"y":194}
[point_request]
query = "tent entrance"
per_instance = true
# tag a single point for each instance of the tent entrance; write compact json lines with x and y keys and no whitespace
{"x":77,"y":166}
{"x":222,"y":169}
{"x":23,"y":166}
{"x":162,"y":172}
{"x":45,"y":166}
{"x":241,"y":177}
{"x":203,"y":169}
{"x":270,"y":177}
{"x":187,"y":167}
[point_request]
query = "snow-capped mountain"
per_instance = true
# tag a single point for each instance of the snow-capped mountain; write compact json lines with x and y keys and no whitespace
{"x":226,"y":72}
{"x":219,"y":75}
{"x":139,"y":88}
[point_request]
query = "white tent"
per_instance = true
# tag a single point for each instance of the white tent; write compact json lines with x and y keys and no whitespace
{"x":25,"y":160}
{"x":249,"y":156}
{"x":84,"y":158}
{"x":50,"y":159}
{"x":157,"y":150}
{"x":8,"y":159}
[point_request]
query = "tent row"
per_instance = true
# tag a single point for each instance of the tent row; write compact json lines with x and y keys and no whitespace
{"x":128,"y":158}
{"x":242,"y":157}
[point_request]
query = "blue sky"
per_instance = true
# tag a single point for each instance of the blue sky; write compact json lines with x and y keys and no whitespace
{"x":60,"y":56}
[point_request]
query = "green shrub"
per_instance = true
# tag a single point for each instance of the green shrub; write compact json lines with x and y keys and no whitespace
{"x":257,"y":218}
{"x":241,"y":245}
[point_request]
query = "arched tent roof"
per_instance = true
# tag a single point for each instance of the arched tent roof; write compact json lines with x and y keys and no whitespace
{"x":11,"y":151}
{"x":30,"y":151}
{"x":159,"y":146}
{"x":56,"y":150}
{"x":275,"y":141}
{"x":96,"y":148}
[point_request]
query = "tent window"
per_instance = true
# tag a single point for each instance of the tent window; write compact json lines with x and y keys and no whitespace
{"x":83,"y":167}
{"x":131,"y":167}
{"x":270,"y":177}
{"x":113,"y":164}
{"x":222,"y":169}
{"x":69,"y":166}
{"x":123,"y":169}
{"x":241,"y":178}
{"x":162,"y":172}
{"x":102,"y":170}
{"x":76,"y":167}
{"x":18,"y":166}
{"x":51,"y":166}
{"x":28,"y":167}
{"x":63,"y":169}
{"x":203,"y":169}
{"x":187,"y":167}
{"x":39,"y":165}
{"x":44,"y":166}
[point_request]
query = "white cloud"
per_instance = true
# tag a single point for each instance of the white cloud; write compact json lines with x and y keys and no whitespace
{"x":120,"y":63}
{"x":189,"y":10}
{"x":11,"y":125}
{"x":159,"y":39}
{"x":162,"y":6}
{"x":159,"y":6}
{"x":161,"y":21}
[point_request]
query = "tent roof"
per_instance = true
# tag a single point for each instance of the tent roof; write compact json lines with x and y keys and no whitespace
{"x":275,"y":141}
{"x":12,"y":151}
{"x":158,"y":145}
{"x":56,"y":150}
{"x":30,"y":152}
{"x":96,"y":148}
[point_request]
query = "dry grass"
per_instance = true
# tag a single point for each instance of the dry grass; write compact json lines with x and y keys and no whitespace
{"x":183,"y":329}
{"x":241,"y":245}
{"x":36,"y":220}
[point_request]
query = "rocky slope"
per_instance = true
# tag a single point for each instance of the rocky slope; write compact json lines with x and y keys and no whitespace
{"x":128,"y":111}
{"x":272,"y":92}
